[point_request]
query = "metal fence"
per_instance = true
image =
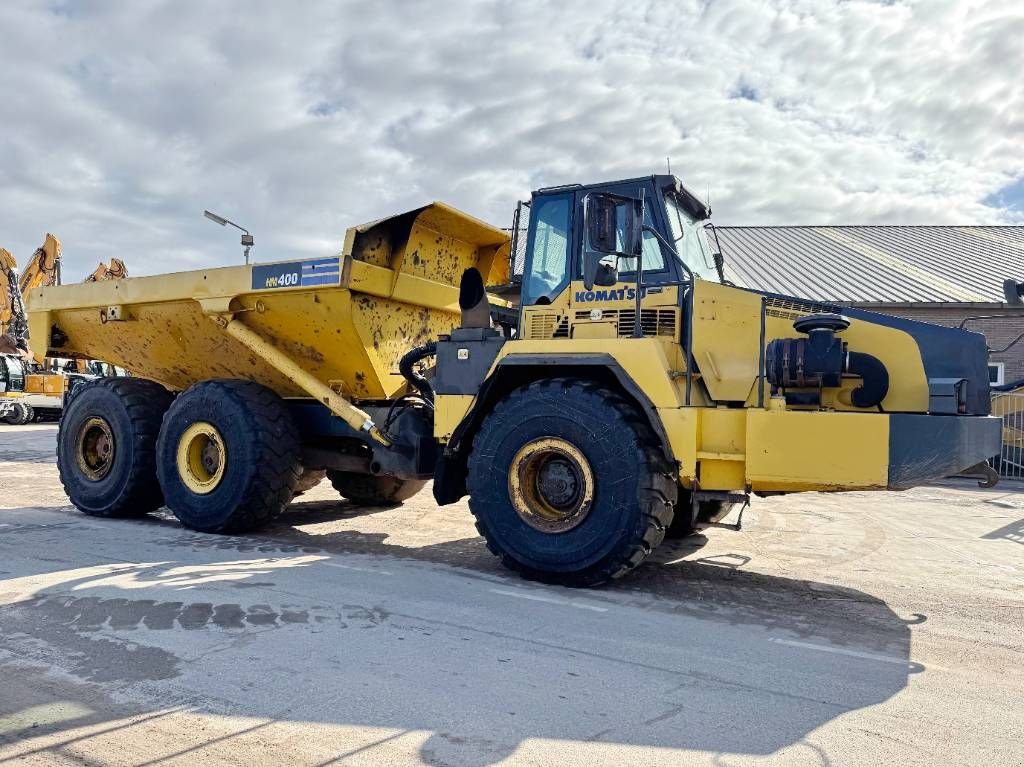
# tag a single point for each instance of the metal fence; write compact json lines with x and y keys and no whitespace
{"x":1010,"y":461}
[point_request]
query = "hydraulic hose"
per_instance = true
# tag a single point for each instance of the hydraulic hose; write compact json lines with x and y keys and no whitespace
{"x":405,"y":367}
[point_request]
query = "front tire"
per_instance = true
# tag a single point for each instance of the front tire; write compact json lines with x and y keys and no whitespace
{"x":228,"y":456}
{"x":106,"y":447}
{"x":569,"y":484}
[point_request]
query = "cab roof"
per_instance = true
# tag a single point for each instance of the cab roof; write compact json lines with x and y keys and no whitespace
{"x":694,"y":206}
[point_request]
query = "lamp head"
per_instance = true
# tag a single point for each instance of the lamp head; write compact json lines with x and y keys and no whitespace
{"x":215,"y":218}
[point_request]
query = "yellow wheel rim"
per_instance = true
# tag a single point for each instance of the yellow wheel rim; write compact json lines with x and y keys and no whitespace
{"x":551,"y":485}
{"x":202,"y":457}
{"x":94,"y":448}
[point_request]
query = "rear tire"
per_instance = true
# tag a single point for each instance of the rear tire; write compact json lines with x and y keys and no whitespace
{"x":588,"y":492}
{"x":228,"y":456}
{"x":106,"y":447}
{"x":374,"y":489}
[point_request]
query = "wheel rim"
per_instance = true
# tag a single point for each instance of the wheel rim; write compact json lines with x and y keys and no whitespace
{"x":95,"y":448}
{"x":201,"y":457}
{"x":551,"y":485}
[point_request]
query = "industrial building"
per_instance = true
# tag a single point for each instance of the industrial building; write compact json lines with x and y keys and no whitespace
{"x":949,"y":275}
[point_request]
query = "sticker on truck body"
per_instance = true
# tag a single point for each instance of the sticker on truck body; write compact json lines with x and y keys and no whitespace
{"x":297,"y":274}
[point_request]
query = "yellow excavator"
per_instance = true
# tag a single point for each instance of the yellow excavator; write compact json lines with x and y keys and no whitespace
{"x":28,"y":388}
{"x":42,"y":270}
{"x":13,"y":324}
{"x":116,"y":270}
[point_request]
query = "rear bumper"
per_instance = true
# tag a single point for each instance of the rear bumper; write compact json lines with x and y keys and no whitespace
{"x":928,"y":447}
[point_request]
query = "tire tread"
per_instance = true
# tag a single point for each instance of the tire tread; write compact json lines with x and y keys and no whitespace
{"x":278,"y":454}
{"x":656,"y":496}
{"x":145,"y":402}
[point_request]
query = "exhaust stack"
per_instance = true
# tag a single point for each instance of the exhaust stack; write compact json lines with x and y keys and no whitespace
{"x":476,"y":308}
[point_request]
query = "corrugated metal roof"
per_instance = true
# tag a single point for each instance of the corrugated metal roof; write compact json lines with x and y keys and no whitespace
{"x":876,"y":263}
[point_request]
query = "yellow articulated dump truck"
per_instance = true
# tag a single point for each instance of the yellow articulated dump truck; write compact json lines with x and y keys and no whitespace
{"x":628,"y":392}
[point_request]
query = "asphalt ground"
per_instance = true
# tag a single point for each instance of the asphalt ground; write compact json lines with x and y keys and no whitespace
{"x":853,"y":629}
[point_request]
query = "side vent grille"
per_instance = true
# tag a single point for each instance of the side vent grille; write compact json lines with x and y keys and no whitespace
{"x":791,"y":309}
{"x":548,"y":326}
{"x":654,"y":322}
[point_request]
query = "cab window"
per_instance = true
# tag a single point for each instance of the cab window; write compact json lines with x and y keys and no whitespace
{"x":691,"y":240}
{"x":652,"y":260}
{"x":547,"y":256}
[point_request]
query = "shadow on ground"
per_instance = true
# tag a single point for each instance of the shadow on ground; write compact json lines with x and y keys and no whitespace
{"x":730,"y":702}
{"x":1011,"y":532}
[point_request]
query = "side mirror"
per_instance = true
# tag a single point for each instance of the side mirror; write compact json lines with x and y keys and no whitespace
{"x":614,"y":227}
{"x":596,"y":272}
{"x":602,"y":218}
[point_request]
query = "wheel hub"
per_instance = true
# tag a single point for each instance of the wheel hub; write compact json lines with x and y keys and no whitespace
{"x":94,"y":448}
{"x":558,"y":481}
{"x":201,"y":457}
{"x":551,"y":485}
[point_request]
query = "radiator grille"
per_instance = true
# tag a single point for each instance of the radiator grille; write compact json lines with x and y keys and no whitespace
{"x":654,"y":322}
{"x":548,"y":326}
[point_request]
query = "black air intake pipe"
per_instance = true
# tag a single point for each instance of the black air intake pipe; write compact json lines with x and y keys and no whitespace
{"x":820,"y":359}
{"x":876,"y":379}
{"x":405,"y":367}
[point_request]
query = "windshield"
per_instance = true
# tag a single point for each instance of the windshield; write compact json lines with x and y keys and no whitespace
{"x":691,"y":240}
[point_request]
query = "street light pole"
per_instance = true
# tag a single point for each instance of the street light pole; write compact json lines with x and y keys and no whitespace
{"x":247,"y":239}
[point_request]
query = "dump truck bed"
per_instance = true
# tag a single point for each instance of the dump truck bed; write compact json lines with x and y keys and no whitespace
{"x":344,"y":319}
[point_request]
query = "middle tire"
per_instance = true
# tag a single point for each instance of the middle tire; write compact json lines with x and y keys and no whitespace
{"x":228,"y":456}
{"x":569,"y":484}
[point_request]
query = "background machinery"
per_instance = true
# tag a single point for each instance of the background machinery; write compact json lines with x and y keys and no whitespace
{"x":116,"y":270}
{"x":29,"y":389}
{"x":43,"y":269}
{"x":632,"y":393}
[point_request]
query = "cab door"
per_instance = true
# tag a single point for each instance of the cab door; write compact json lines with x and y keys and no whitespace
{"x":548,"y":247}
{"x":610,"y":310}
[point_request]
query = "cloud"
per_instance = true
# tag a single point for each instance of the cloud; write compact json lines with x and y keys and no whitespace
{"x":123,"y":121}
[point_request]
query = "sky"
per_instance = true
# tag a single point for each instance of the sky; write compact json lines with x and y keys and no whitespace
{"x":121,"y":121}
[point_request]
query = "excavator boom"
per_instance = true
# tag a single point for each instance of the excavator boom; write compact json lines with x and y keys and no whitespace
{"x":43,"y":269}
{"x":115,"y":271}
{"x":13,"y":322}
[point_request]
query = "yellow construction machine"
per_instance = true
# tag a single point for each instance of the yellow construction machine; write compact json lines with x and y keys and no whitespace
{"x":17,"y":370}
{"x":29,"y":389}
{"x":631,"y":392}
{"x":42,"y":269}
{"x":13,"y":324}
{"x":116,"y":270}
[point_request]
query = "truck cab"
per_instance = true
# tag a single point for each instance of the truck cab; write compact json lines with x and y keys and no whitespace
{"x":676,"y":243}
